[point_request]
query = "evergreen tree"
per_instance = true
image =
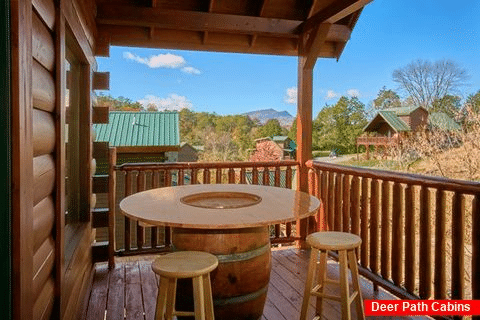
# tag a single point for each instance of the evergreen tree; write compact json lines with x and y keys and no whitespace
{"x":338,"y":126}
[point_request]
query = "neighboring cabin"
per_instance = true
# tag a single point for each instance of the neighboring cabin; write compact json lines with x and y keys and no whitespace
{"x":389,"y":126}
{"x":186,"y":153}
{"x":140,"y":136}
{"x":273,"y":149}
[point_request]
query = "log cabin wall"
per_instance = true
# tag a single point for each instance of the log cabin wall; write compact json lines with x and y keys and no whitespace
{"x":46,"y":284}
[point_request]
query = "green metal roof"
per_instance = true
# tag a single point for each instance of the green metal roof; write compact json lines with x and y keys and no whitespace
{"x":442,"y":121}
{"x":394,"y":121}
{"x":403,"y":111}
{"x":279,"y":138}
{"x":139,"y":129}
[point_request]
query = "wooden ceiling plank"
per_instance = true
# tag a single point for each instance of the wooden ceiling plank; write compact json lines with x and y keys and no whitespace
{"x":194,"y":21}
{"x":333,"y":13}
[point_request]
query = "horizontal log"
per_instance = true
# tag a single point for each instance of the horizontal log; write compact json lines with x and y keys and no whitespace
{"x":43,"y":177}
{"x":46,"y":10}
{"x":43,"y":262}
{"x":43,"y":306}
{"x":463,"y":186}
{"x":43,"y":88}
{"x":100,"y":114}
{"x":43,"y":221}
{"x":43,"y":47}
{"x":101,"y":81}
{"x":43,"y":132}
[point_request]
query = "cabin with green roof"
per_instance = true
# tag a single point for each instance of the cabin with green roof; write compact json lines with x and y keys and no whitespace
{"x":140,"y":136}
{"x":390,"y":125}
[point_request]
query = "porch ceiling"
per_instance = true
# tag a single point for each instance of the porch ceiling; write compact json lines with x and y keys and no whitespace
{"x":246,"y":26}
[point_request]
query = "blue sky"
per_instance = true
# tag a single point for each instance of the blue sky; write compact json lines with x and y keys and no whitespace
{"x":389,"y":35}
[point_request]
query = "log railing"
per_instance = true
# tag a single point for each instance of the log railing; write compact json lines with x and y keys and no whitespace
{"x":420,"y":235}
{"x":135,"y":238}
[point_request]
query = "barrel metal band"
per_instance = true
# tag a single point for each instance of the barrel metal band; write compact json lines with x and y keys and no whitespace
{"x":242,"y":256}
{"x":240,"y":299}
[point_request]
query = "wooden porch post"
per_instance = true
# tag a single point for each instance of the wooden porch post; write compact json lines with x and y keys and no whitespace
{"x":309,"y":49}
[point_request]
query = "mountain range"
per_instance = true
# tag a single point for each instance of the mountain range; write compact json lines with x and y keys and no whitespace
{"x":285,"y":118}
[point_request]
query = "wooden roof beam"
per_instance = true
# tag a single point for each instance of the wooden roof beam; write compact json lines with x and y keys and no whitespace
{"x":333,"y":13}
{"x":194,"y":21}
{"x":209,"y":22}
{"x":314,"y":45}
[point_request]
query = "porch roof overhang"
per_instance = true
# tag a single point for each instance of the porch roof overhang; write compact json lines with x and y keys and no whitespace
{"x":281,"y":27}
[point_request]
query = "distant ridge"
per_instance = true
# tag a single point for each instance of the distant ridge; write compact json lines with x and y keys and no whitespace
{"x":285,"y":118}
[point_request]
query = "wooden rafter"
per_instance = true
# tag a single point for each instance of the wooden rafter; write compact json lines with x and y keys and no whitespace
{"x":333,"y":13}
{"x":211,"y":4}
{"x":260,"y":14}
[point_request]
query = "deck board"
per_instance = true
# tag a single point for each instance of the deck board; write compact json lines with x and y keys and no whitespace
{"x":129,"y":290}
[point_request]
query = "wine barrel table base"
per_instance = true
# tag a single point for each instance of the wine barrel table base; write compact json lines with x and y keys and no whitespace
{"x":230,"y":221}
{"x":239,"y":284}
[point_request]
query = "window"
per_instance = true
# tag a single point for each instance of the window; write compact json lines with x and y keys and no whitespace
{"x":77,"y":194}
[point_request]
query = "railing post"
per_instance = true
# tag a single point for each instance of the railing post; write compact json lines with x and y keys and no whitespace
{"x":476,"y":250}
{"x":112,"y":188}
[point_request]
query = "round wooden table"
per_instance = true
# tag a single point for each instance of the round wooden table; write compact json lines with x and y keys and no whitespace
{"x":230,"y":221}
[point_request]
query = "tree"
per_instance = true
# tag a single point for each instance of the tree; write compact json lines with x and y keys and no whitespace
{"x":473,"y":102}
{"x":386,"y":99}
{"x":292,"y":134}
{"x":426,"y":81}
{"x":266,"y":151}
{"x":339,"y":125}
{"x":270,"y":129}
{"x":448,"y":104}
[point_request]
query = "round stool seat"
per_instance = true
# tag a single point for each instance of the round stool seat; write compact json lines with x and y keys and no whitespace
{"x":333,"y":240}
{"x":185,"y":264}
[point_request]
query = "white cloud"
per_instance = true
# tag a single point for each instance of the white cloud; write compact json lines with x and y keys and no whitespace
{"x":291,"y":96}
{"x":171,"y":103}
{"x":353,"y":93}
{"x":331,"y":95}
{"x":191,"y":70}
{"x":166,"y":60}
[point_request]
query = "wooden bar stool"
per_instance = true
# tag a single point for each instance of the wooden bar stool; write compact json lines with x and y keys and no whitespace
{"x":180,"y":265}
{"x":345,"y":244}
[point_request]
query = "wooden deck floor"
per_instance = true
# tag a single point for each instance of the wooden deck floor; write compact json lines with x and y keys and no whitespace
{"x":129,"y":291}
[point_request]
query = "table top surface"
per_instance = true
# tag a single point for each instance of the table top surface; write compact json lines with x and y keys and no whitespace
{"x":203,"y":206}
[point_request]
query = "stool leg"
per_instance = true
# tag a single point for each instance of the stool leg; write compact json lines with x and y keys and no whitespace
{"x":198,"y":298}
{"x":344,"y":292}
{"x":207,"y":290}
{"x":161,"y":299}
{"x":356,"y":283}
{"x":321,"y":277}
{"x":312,"y":266}
{"x":172,"y":291}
